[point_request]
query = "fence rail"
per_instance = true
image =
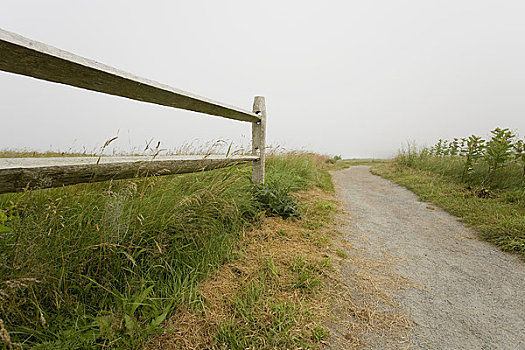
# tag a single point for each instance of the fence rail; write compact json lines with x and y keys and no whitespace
{"x":27,"y":57}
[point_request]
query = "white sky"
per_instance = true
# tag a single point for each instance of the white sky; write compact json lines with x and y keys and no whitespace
{"x":355,"y":78}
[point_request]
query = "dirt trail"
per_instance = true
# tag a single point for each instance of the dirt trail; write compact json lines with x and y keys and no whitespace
{"x":470,"y":295}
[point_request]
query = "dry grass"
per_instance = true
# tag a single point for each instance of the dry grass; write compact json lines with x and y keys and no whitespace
{"x":364,"y":309}
{"x":4,"y":336}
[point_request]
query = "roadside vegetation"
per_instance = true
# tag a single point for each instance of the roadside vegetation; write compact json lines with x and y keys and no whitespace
{"x":480,"y":181}
{"x":274,"y":293}
{"x":105,"y":265}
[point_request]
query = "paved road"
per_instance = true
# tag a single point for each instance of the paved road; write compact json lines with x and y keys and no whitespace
{"x":471,"y":295}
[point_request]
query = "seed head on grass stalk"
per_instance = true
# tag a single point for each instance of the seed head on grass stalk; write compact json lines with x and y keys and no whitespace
{"x":106,"y":144}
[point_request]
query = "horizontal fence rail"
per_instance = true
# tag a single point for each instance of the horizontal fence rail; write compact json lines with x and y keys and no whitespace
{"x":31,"y":58}
{"x":21,"y":174}
{"x":27,"y":57}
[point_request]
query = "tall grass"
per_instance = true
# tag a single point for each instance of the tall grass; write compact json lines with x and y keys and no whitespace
{"x":102,"y":265}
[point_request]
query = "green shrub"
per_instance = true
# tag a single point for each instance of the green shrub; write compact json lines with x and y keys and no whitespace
{"x":498,"y":151}
{"x":277,"y":201}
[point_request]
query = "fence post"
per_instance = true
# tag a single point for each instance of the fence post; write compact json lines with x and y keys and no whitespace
{"x":259,"y":140}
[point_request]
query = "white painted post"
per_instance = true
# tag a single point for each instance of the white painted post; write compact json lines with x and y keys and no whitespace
{"x":259,"y":140}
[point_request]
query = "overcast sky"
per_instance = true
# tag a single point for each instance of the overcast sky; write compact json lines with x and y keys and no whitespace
{"x":354,"y":78}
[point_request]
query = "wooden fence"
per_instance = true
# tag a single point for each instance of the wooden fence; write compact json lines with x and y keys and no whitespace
{"x":23,"y":56}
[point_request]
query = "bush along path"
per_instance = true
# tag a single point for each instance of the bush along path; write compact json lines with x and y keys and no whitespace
{"x":458,"y":292}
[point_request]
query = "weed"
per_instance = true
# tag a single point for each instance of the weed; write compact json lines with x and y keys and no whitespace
{"x":498,"y":151}
{"x":307,"y":275}
{"x":327,"y":265}
{"x":321,"y":240}
{"x":319,"y":333}
{"x":324,"y":181}
{"x":472,"y":151}
{"x":341,"y":254}
{"x":267,"y":299}
{"x":271,"y":268}
{"x":277,"y":201}
{"x":313,"y":224}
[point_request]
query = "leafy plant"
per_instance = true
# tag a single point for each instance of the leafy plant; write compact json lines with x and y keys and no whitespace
{"x":519,"y":152}
{"x":438,"y":148}
{"x":498,"y":151}
{"x":472,"y":150}
{"x":6,"y":215}
{"x":319,"y":333}
{"x":446,"y":148}
{"x":454,"y":147}
{"x":277,"y":201}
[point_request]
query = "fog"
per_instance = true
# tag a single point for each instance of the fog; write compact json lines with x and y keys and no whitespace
{"x":352,"y":78}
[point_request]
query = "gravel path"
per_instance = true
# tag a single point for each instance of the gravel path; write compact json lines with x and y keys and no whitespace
{"x":470,"y":295}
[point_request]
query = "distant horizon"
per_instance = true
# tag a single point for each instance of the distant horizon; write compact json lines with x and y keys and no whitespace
{"x":216,"y":146}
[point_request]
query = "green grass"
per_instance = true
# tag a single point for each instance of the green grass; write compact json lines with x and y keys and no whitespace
{"x":261,"y":318}
{"x":295,"y":172}
{"x":103,"y":265}
{"x":247,"y":330}
{"x":307,"y":274}
{"x":497,"y":214}
{"x":347,"y":163}
{"x":342,"y":254}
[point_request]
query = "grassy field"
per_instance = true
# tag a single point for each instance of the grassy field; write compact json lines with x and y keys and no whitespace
{"x":104,"y":265}
{"x":493,"y":203}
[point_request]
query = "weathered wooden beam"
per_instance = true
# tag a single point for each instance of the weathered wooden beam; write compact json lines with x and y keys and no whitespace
{"x":21,"y":55}
{"x":259,"y":140}
{"x":32,"y":178}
